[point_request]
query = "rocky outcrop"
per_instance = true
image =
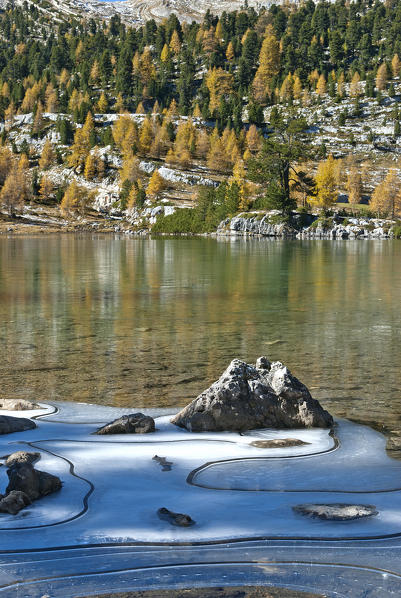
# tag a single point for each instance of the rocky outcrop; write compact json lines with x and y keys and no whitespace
{"x":179,"y":519}
{"x":9,"y":424}
{"x":21,"y":458}
{"x":14,"y":502}
{"x":305,"y":226}
{"x":18,"y":405}
{"x":246,"y":397}
{"x":135,"y":423}
{"x":336,"y":511}
{"x":256,"y":224}
{"x":34,"y":483}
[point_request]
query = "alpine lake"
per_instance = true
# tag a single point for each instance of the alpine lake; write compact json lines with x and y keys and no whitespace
{"x":152,"y":322}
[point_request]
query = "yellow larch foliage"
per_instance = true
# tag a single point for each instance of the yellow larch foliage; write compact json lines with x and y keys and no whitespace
{"x":156,"y":184}
{"x":230,"y":52}
{"x":165,"y":53}
{"x":146,"y":136}
{"x":75,"y":199}
{"x":355,"y":89}
{"x":46,"y":189}
{"x":396,"y":65}
{"x":175,"y":44}
{"x":382,"y":77}
{"x":253,"y":140}
{"x":321,"y":86}
{"x":102,"y":104}
{"x":48,"y":156}
{"x":326,"y":183}
{"x":219,"y":83}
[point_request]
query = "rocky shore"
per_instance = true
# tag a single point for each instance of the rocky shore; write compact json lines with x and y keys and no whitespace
{"x":307,"y":226}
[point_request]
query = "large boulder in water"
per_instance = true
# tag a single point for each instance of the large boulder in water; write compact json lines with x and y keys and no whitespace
{"x":246,"y":397}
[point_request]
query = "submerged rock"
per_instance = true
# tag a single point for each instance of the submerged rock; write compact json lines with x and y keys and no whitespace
{"x":9,"y":424}
{"x":21,"y":457}
{"x":336,"y":511}
{"x":135,"y":423}
{"x":165,"y":465}
{"x":32,"y":482}
{"x":246,"y":397}
{"x":278,"y":443}
{"x":14,"y":502}
{"x":18,"y":405}
{"x":179,"y":519}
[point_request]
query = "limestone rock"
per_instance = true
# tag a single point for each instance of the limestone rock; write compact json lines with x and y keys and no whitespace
{"x":246,"y":397}
{"x":179,"y":519}
{"x":14,"y":502}
{"x":278,"y":443}
{"x":336,"y":511}
{"x":9,"y":424}
{"x":18,"y":405}
{"x":32,"y":482}
{"x":21,"y":457}
{"x":135,"y":423}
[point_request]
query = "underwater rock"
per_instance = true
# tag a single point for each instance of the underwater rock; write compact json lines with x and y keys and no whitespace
{"x":135,"y":423}
{"x":246,"y":397}
{"x":278,"y":443}
{"x":9,"y":424}
{"x":165,"y":465}
{"x":336,"y":511}
{"x":179,"y":519}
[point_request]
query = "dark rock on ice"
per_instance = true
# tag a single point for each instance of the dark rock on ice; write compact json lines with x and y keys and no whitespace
{"x":34,"y":483}
{"x":179,"y":519}
{"x":135,"y":423}
{"x":14,"y":502}
{"x":9,"y":424}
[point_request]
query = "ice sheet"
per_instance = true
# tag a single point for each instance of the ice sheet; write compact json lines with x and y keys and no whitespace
{"x":112,"y":488}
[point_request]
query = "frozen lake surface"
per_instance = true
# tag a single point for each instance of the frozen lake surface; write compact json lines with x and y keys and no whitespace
{"x":101,"y":532}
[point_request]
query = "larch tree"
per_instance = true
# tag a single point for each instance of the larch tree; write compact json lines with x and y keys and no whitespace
{"x":354,"y":186}
{"x":355,"y":88}
{"x":382,"y":77}
{"x":156,"y":184}
{"x":48,"y":156}
{"x":269,"y":57}
{"x":386,"y":198}
{"x":326,"y":183}
{"x":90,"y":167}
{"x":46,"y":189}
{"x":321,"y":86}
{"x":13,"y":192}
{"x":146,"y":136}
{"x":219,"y":84}
{"x":175,"y":44}
{"x":102,"y":104}
{"x":75,"y":199}
{"x":396,"y":65}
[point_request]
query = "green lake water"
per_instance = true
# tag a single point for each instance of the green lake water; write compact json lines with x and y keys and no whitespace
{"x":152,"y":322}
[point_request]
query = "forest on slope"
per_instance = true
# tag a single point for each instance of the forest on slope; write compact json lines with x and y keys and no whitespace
{"x":96,"y":114}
